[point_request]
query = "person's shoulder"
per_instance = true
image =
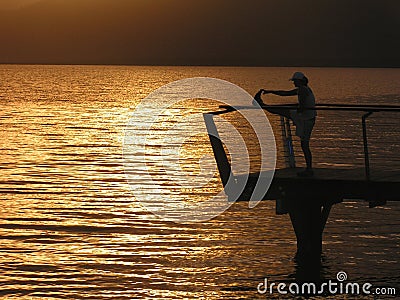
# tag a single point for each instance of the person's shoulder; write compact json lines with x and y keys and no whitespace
{"x":304,"y":90}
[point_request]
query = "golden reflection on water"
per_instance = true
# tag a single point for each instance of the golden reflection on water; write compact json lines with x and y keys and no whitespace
{"x":71,"y":226}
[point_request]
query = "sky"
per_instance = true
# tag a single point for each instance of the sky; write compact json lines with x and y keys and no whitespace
{"x":207,"y":32}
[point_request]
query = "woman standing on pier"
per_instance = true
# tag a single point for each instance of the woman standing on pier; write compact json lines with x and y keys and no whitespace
{"x":303,"y":117}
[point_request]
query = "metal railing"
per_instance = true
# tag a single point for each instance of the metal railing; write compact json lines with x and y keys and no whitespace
{"x":286,"y":130}
{"x":367,"y":109}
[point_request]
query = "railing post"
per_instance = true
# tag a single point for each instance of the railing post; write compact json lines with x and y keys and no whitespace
{"x":287,"y":143}
{"x":365,"y":139}
{"x":292,"y":160}
{"x":224,"y":167}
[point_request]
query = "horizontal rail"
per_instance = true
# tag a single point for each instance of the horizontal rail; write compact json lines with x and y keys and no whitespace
{"x":357,"y":105}
{"x":332,"y":107}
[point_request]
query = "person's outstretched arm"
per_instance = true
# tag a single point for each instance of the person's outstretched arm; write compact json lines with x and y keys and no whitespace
{"x":282,"y":93}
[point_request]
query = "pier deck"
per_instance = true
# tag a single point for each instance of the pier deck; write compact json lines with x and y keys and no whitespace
{"x":334,"y":184}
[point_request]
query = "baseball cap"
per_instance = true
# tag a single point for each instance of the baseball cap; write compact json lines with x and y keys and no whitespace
{"x":298,"y":75}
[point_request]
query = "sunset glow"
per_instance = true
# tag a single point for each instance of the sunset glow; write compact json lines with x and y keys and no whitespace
{"x":15,"y":4}
{"x":207,"y":32}
{"x":157,"y":149}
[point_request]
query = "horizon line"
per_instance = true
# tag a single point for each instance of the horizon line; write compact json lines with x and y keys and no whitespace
{"x":204,"y":65}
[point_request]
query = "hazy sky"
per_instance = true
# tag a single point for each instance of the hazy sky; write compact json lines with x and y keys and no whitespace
{"x":206,"y":32}
{"x":14,"y":4}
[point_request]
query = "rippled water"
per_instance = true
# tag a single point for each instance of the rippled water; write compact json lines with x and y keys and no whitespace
{"x":71,"y":227}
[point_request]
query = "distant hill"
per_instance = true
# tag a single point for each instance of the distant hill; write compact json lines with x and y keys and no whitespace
{"x":217,"y":32}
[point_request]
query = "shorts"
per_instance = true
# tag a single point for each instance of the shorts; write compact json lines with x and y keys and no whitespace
{"x":304,"y":128}
{"x":305,"y":133}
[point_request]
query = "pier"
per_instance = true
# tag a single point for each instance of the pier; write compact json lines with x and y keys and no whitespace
{"x":308,"y":201}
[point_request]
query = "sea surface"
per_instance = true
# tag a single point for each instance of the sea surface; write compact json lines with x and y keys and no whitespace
{"x":73,"y":227}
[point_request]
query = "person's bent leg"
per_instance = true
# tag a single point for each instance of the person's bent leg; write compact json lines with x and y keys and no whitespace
{"x":279,"y":111}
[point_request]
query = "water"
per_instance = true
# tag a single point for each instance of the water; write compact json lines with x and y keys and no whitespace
{"x":72,"y":228}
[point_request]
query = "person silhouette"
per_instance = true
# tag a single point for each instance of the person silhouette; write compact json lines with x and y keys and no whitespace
{"x":303,"y":117}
